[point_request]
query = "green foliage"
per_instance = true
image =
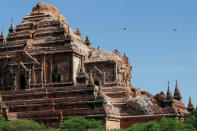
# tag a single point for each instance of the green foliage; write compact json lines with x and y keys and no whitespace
{"x":167,"y":124}
{"x":2,"y":123}
{"x":53,"y":129}
{"x":193,"y":113}
{"x":191,"y":119}
{"x":137,"y":127}
{"x":150,"y":126}
{"x":118,"y":130}
{"x":81,"y":124}
{"x":23,"y":125}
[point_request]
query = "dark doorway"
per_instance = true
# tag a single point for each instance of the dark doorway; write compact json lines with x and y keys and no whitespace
{"x":22,"y":82}
{"x":96,"y":83}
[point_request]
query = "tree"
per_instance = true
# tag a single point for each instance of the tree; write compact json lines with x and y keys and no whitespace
{"x":81,"y":124}
{"x":171,"y":124}
{"x":191,"y":119}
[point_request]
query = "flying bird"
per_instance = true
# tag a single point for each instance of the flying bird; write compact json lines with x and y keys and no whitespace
{"x":174,"y":30}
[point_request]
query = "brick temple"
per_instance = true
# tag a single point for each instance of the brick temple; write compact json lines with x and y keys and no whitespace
{"x":49,"y":73}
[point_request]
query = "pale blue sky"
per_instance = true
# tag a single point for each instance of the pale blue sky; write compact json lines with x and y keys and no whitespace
{"x":156,"y":52}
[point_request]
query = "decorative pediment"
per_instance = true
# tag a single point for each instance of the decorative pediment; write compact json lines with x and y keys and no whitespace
{"x":13,"y":68}
{"x":25,"y":58}
{"x":23,"y":68}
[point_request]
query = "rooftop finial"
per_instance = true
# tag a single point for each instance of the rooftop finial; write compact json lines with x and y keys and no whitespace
{"x":87,"y":41}
{"x":169,"y":94}
{"x":177,"y":94}
{"x":168,"y":86}
{"x":68,"y":36}
{"x":12,"y":21}
{"x":125,"y":55}
{"x":125,"y":58}
{"x":190,"y":106}
{"x":98,"y":48}
{"x":190,"y":101}
{"x":116,"y":52}
{"x":176,"y":84}
{"x":78,"y":32}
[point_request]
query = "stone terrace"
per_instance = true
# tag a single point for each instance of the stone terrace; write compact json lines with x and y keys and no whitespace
{"x":51,"y":105}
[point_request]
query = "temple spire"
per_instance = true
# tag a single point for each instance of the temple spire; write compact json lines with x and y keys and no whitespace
{"x":2,"y":33}
{"x":190,"y":106}
{"x":2,"y":37}
{"x":190,"y":101}
{"x":11,"y":29}
{"x":169,"y":94}
{"x":177,"y":94}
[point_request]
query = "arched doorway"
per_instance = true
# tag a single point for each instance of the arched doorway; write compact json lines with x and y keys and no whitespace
{"x":20,"y":81}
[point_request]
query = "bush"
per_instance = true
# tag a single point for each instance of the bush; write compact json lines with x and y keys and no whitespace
{"x":117,"y":130}
{"x":81,"y":124}
{"x":53,"y":129}
{"x":137,"y":127}
{"x":150,"y":126}
{"x":2,"y":123}
{"x":23,"y":125}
